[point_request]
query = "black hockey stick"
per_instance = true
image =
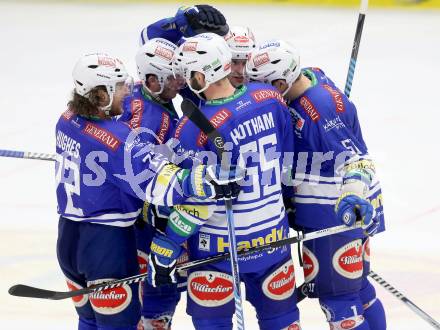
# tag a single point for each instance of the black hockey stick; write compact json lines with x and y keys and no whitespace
{"x":396,"y":293}
{"x":355,"y":49}
{"x":21,"y":290}
{"x":194,"y":114}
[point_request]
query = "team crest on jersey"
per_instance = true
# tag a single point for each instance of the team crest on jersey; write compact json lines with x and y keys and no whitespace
{"x":261,"y":59}
{"x":281,"y":283}
{"x":337,"y":98}
{"x":367,"y":250}
{"x":309,"y":108}
{"x":347,"y":260}
{"x":219,"y":118}
{"x":137,"y":110}
{"x":210,"y":289}
{"x":111,"y":301}
{"x":310,"y":265}
{"x":78,"y":301}
{"x":102,"y":135}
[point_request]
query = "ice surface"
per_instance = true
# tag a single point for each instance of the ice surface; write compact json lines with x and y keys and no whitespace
{"x":395,"y":89}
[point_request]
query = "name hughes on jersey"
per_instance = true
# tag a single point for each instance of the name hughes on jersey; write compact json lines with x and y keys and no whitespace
{"x":67,"y":144}
{"x":252,"y":127}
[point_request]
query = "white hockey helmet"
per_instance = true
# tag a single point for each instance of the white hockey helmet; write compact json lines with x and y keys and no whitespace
{"x":98,"y":69}
{"x":155,"y":57}
{"x":273,"y":60}
{"x":241,"y":41}
{"x":206,"y":53}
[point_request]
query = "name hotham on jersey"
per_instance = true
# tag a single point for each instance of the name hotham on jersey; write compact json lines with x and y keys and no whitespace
{"x":251,"y":127}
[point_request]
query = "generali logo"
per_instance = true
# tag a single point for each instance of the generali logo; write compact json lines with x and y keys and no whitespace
{"x":264,"y":94}
{"x":164,"y":127}
{"x":137,"y":110}
{"x":102,"y":135}
{"x":309,"y":108}
{"x":219,"y":118}
{"x":337,"y":98}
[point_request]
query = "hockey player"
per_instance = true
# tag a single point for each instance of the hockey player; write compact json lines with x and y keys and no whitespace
{"x":187,"y":22}
{"x":150,"y":107}
{"x":241,"y":41}
{"x":335,"y":181}
{"x":256,"y":126}
{"x":103,"y":174}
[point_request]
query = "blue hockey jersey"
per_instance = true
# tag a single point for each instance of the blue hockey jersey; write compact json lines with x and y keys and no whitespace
{"x":104,"y":171}
{"x":328,"y":136}
{"x":140,"y":110}
{"x":257,"y":125}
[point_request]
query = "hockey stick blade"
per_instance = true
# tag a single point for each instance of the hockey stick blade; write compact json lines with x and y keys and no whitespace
{"x":21,"y":290}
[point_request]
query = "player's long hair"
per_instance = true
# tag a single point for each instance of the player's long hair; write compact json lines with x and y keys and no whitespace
{"x":86,"y":106}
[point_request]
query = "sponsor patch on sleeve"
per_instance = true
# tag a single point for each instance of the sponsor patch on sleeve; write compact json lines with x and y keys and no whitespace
{"x":337,"y":98}
{"x":219,"y":118}
{"x":309,"y":108}
{"x":101,"y":135}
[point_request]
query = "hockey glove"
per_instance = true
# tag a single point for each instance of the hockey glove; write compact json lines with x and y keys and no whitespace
{"x":162,"y":261}
{"x":211,"y":181}
{"x":200,"y":19}
{"x":350,"y":207}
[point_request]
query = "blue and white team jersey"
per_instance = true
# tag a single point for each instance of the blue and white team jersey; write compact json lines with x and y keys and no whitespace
{"x":140,"y":110}
{"x":257,"y":125}
{"x":104,"y":173}
{"x":326,"y":122}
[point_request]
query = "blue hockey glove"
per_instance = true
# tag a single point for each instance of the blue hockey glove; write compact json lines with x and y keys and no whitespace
{"x":199,"y":19}
{"x":350,"y":207}
{"x":162,"y":261}
{"x":211,"y":181}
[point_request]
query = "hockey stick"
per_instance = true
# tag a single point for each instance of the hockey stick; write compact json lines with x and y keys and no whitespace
{"x":302,"y":289}
{"x":194,"y":114}
{"x":21,"y":290}
{"x":26,"y":155}
{"x":396,"y":293}
{"x":348,"y":84}
{"x":355,"y":49}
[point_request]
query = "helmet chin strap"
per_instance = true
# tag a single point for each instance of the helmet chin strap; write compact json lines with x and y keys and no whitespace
{"x":155,"y":95}
{"x":200,"y":91}
{"x":108,"y":107}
